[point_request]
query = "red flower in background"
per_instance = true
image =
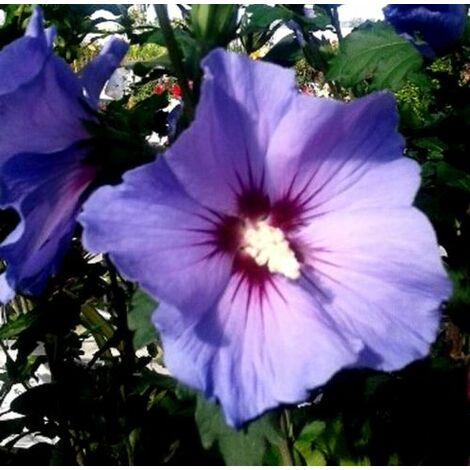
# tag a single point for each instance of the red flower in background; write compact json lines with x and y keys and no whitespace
{"x":159,"y":89}
{"x":175,"y":90}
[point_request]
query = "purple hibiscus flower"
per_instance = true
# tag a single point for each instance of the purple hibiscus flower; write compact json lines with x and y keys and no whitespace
{"x":43,"y":143}
{"x":279,"y":235}
{"x":438,"y":26}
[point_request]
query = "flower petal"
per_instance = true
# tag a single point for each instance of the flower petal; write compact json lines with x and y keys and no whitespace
{"x":54,"y":97}
{"x":23,"y":59}
{"x":234,"y":121}
{"x":46,"y":191}
{"x":6,"y":292}
{"x":328,"y":155}
{"x":382,"y":278}
{"x":97,"y":72}
{"x":253,"y":352}
{"x":156,"y":234}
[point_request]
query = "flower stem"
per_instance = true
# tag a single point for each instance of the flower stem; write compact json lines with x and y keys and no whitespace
{"x":118,"y":301}
{"x":336,"y":23}
{"x":285,"y":444}
{"x":176,"y":58}
{"x":127,"y":355}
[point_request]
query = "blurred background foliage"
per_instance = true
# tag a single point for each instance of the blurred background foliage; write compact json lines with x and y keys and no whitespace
{"x":84,"y":363}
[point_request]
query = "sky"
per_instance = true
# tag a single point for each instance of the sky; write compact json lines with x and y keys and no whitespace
{"x":365,"y":10}
{"x":348,"y":11}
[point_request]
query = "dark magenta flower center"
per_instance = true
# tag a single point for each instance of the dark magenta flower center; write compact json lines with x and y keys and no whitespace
{"x":259,"y":237}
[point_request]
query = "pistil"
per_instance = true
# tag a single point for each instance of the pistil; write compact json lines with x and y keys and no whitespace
{"x":269,"y":247}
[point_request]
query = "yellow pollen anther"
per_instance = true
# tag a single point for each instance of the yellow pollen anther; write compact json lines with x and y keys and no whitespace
{"x":268,"y":246}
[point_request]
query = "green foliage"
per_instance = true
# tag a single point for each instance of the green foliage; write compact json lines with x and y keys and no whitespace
{"x":16,"y":17}
{"x":415,"y":100}
{"x":366,"y":417}
{"x":309,"y":435}
{"x":144,"y":52}
{"x":140,"y":319}
{"x":246,"y":446}
{"x":377,"y":54}
{"x":453,"y":177}
{"x":15,"y":326}
{"x":258,"y":25}
{"x":74,"y":23}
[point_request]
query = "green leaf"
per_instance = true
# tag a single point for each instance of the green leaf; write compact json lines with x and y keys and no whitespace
{"x":285,"y":53}
{"x":260,"y":17}
{"x":434,"y":147}
{"x":305,"y":443}
{"x":453,"y":177}
{"x":20,"y":371}
{"x":375,"y":53}
{"x":15,"y":327}
{"x":95,"y":322}
{"x":246,"y":446}
{"x":143,"y":68}
{"x":100,"y":328}
{"x":142,"y":115}
{"x":312,"y":431}
{"x":259,"y":23}
{"x":43,"y":400}
{"x":461,"y":282}
{"x":321,"y":20}
{"x":314,"y":457}
{"x":140,"y":319}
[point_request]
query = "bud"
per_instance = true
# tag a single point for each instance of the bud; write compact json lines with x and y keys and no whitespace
{"x":214,"y":25}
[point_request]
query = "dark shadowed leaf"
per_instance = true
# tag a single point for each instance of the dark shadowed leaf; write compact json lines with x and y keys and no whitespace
{"x":285,"y":53}
{"x":453,"y":177}
{"x":10,"y":427}
{"x":246,"y":446}
{"x":42,"y":400}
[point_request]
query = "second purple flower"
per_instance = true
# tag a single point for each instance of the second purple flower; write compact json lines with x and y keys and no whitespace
{"x":44,"y":145}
